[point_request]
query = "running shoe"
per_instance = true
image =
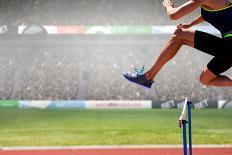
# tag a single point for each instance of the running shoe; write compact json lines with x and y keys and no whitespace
{"x":138,"y":78}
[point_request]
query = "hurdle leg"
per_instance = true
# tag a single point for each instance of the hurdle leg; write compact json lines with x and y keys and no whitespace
{"x":184,"y":137}
{"x":190,"y":128}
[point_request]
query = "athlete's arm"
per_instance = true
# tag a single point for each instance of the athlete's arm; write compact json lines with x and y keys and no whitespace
{"x":195,"y":22}
{"x":177,"y":12}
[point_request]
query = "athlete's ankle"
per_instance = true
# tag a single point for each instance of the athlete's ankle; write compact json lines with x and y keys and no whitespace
{"x":148,"y":77}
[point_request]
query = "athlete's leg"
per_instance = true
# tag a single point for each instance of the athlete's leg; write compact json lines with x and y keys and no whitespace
{"x":208,"y":78}
{"x":179,"y":38}
{"x":211,"y":75}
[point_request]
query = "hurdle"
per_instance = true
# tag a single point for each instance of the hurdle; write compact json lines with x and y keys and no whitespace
{"x":183,"y":124}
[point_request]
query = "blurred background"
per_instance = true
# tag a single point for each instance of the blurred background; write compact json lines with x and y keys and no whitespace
{"x":78,"y":50}
{"x":57,"y":54}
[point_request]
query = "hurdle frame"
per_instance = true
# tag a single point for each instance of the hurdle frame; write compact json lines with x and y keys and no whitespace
{"x":183,"y":123}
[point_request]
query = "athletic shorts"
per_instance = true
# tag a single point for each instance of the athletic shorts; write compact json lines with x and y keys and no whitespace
{"x":220,"y":48}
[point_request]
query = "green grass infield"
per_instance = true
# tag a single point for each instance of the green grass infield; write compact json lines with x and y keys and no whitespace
{"x":110,"y":127}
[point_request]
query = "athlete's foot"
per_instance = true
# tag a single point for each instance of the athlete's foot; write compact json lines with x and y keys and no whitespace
{"x":139,"y":78}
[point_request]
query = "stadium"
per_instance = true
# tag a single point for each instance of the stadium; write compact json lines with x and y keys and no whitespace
{"x":61,"y":83}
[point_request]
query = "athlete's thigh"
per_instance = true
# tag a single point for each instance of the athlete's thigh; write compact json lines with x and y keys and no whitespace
{"x":207,"y":75}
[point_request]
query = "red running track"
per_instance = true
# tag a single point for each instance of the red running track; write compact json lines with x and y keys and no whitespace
{"x":120,"y":151}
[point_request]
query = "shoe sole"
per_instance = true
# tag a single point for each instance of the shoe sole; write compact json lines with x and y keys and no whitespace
{"x":141,"y":86}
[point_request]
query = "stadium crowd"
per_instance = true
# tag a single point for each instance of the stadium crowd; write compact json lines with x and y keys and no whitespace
{"x":53,"y":72}
{"x":85,"y":12}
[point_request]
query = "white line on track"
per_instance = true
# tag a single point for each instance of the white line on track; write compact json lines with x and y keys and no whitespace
{"x":109,"y":147}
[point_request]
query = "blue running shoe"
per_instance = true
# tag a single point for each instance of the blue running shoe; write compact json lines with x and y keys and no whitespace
{"x":139,"y":78}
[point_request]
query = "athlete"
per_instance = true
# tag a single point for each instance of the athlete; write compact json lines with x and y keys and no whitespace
{"x":216,"y":12}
